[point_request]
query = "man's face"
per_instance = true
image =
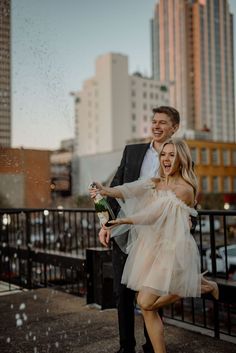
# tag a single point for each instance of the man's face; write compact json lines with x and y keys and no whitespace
{"x":162,"y":127}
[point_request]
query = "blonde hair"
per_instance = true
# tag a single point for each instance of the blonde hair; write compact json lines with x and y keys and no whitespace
{"x":185,"y":161}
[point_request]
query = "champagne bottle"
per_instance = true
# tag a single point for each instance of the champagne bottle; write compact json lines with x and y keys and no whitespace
{"x":102,"y":208}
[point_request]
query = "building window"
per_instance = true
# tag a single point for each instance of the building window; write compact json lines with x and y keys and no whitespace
{"x":215,"y":186}
{"x":133,"y":117}
{"x":194,"y":154}
{"x":204,"y":184}
{"x":215,"y":156}
{"x":133,"y":128}
{"x":144,"y":94}
{"x":234,"y":157}
{"x":145,"y":130}
{"x":225,"y":155}
{"x":226,"y":184}
{"x":133,"y":105}
{"x":145,"y":118}
{"x":234,"y":184}
{"x":144,"y":106}
{"x":204,"y":156}
{"x":133,"y":94}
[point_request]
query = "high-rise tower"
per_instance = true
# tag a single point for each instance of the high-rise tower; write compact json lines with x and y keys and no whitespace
{"x":5,"y":73}
{"x":192,"y":47}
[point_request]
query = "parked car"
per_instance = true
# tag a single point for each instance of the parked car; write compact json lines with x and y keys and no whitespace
{"x":205,"y":225}
{"x":220,"y":259}
{"x":231,"y":255}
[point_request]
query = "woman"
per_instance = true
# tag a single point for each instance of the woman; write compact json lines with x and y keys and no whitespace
{"x":163,"y":261}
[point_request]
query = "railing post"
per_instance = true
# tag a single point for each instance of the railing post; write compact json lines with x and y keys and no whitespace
{"x":213,"y":245}
{"x":44,"y":248}
{"x":29,"y":255}
{"x":216,"y":319}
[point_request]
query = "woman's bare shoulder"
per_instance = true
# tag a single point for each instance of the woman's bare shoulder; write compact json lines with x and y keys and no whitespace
{"x":185,"y":193}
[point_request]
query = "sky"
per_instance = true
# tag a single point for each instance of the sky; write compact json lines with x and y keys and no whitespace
{"x":54,"y":47}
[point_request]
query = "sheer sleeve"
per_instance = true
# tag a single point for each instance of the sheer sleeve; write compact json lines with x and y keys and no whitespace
{"x":153,"y":212}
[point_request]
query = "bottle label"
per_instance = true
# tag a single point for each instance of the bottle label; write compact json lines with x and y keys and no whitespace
{"x":103,"y":216}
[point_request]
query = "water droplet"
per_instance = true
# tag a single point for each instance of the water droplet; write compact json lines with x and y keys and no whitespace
{"x":34,"y":338}
{"x":57,"y":344}
{"x":17,"y":316}
{"x":47,"y":310}
{"x":19,"y":322}
{"x":22,"y":306}
{"x":19,"y":242}
{"x":6,"y":258}
{"x":8,"y":340}
{"x":13,"y":266}
{"x":35,"y":296}
{"x":25,"y":317}
{"x":89,"y":321}
{"x":12,"y":306}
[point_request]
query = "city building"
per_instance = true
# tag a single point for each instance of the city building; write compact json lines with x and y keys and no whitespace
{"x":215,"y":167}
{"x":5,"y":73}
{"x":192,"y":48}
{"x":114,"y":107}
{"x":25,"y":178}
{"x":61,"y":170}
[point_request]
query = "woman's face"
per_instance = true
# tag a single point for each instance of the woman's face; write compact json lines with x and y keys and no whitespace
{"x":169,"y":160}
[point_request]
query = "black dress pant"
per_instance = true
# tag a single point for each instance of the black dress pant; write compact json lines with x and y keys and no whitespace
{"x":125,"y":301}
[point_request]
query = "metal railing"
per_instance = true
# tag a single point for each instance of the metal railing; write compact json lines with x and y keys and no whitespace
{"x":41,"y":247}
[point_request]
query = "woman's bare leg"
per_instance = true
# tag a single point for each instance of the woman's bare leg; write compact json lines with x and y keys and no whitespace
{"x":155,"y":330}
{"x":149,"y":301}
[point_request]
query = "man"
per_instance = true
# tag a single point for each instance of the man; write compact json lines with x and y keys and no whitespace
{"x":138,"y":161}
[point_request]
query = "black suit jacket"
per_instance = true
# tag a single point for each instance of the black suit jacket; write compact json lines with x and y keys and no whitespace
{"x":129,"y":168}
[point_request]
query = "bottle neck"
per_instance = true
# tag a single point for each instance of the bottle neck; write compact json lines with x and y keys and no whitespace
{"x":98,"y":198}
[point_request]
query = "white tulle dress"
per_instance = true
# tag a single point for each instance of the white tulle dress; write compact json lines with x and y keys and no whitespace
{"x":163,"y":257}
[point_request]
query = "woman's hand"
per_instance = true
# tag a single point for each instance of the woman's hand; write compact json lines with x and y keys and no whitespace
{"x":118,"y":222}
{"x":96,"y":188}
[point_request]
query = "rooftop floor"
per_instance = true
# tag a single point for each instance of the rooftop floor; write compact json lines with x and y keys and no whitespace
{"x":45,"y":320}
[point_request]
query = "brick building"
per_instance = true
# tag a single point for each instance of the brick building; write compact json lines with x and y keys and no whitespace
{"x":25,"y":178}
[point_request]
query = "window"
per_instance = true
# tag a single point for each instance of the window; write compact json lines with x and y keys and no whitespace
{"x":133,"y":117}
{"x":133,"y":105}
{"x":215,"y":156}
{"x":194,"y":154}
{"x":226,"y":184}
{"x":144,"y":106}
{"x":215,"y":186}
{"x":225,"y":155}
{"x":234,"y":157}
{"x":204,"y":156}
{"x":144,"y":94}
{"x":234,"y":184}
{"x":133,"y":128}
{"x":204,"y":184}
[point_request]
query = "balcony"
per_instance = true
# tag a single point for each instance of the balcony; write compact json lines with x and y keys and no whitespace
{"x":46,"y":251}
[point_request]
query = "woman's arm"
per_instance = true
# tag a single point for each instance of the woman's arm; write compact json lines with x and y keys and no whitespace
{"x":104,"y":191}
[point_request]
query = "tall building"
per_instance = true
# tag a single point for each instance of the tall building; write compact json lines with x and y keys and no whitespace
{"x":192,"y":47}
{"x":114,"y":107}
{"x":5,"y":73}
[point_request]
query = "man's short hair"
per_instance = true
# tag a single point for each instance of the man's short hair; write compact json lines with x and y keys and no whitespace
{"x":170,"y":111}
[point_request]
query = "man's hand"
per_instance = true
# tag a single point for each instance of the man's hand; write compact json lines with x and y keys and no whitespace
{"x":104,"y":237}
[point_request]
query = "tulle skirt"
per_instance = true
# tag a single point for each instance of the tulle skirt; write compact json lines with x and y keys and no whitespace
{"x":163,"y":266}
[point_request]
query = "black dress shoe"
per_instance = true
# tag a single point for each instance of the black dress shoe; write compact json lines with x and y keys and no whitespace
{"x":124,"y":350}
{"x":147,"y":349}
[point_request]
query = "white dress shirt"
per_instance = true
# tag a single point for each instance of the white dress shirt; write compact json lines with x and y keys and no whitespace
{"x":151,"y":163}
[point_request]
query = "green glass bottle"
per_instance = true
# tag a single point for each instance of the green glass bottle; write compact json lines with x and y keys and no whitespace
{"x":102,"y":208}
